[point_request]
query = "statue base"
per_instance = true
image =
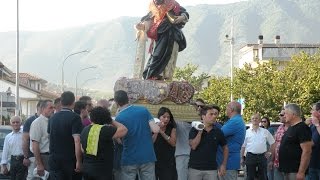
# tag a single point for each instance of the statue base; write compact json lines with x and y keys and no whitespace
{"x":154,"y":94}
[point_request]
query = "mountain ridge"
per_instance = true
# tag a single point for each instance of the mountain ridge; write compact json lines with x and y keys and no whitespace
{"x":112,"y":44}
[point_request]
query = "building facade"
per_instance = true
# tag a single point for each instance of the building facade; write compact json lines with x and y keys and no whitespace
{"x":31,"y":90}
{"x":278,"y":52}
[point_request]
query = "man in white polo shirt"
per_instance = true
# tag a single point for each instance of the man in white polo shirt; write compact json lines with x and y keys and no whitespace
{"x":12,"y":150}
{"x":255,"y":144}
{"x":39,"y":137}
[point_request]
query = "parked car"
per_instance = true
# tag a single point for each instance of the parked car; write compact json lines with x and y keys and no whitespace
{"x":4,"y":131}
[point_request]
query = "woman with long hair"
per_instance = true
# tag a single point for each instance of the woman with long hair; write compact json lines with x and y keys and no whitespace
{"x":164,"y":146}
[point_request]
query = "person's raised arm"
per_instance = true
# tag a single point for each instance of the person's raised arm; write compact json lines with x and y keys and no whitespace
{"x":195,"y":141}
{"x":121,"y":129}
{"x":154,"y":127}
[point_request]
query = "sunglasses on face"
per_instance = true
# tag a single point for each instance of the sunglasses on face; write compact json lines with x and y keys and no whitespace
{"x":281,"y":114}
{"x":263,"y":121}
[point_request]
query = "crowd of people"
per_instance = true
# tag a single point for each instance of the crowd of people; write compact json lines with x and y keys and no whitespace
{"x":68,"y":139}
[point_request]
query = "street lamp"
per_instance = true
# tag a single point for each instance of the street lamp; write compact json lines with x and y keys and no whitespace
{"x":17,"y":109}
{"x":231,"y":41}
{"x":62,"y":70}
{"x":88,"y":81}
{"x":91,"y":67}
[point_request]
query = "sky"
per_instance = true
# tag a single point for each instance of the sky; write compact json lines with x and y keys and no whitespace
{"x":44,"y":15}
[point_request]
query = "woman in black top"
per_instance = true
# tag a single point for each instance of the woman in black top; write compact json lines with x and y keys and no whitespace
{"x":98,"y":163}
{"x":164,"y":146}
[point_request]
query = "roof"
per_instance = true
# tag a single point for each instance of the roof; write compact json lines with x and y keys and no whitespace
{"x":13,"y":81}
{"x":31,"y":77}
{"x":280,"y":45}
{"x":5,"y":70}
{"x":49,"y":95}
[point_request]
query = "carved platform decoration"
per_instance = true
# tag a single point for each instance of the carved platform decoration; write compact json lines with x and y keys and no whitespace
{"x":155,"y":94}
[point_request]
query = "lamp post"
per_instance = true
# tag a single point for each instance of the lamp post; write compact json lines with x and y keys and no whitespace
{"x":62,"y":70}
{"x":87,"y":81}
{"x":231,"y":41}
{"x":17,"y":109}
{"x":91,"y":67}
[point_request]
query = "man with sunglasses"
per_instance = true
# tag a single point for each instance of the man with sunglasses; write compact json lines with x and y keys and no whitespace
{"x":278,"y":136}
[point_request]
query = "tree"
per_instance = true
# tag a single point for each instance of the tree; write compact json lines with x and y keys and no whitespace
{"x":187,"y":73}
{"x":267,"y":87}
{"x":261,"y":89}
{"x":301,"y":81}
{"x":217,"y":92}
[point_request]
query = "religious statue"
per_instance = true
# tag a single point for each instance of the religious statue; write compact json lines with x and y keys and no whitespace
{"x":163,"y":26}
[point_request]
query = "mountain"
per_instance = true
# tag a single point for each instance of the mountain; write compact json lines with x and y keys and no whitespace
{"x":112,"y":44}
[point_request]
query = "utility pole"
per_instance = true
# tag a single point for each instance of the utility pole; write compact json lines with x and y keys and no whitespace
{"x":231,"y":41}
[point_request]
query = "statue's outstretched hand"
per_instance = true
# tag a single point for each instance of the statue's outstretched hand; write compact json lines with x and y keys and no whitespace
{"x":179,"y":19}
{"x":140,"y":26}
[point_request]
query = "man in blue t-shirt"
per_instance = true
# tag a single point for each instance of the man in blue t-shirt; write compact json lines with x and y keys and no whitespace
{"x":234,"y":131}
{"x":138,"y":153}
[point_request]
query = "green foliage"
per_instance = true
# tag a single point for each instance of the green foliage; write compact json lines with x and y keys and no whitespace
{"x":266,"y":88}
{"x":257,"y":86}
{"x":217,"y":92}
{"x":187,"y":73}
{"x":301,"y":81}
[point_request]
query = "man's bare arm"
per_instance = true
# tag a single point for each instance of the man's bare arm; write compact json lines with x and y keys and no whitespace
{"x":25,"y":144}
{"x":305,"y":156}
{"x":195,"y":141}
{"x":77,"y":149}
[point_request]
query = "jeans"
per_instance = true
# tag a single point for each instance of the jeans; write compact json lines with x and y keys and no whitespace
{"x":314,"y":174}
{"x":195,"y":174}
{"x":145,"y":171}
{"x":230,"y":175}
{"x":277,"y":174}
{"x":290,"y":176}
{"x":182,"y":166}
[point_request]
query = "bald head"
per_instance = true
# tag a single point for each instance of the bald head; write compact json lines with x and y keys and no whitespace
{"x":236,"y":106}
{"x":15,"y":122}
{"x":233,"y":108}
{"x":103,"y":103}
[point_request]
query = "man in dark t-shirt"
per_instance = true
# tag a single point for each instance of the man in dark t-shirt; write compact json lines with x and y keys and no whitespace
{"x":64,"y":130}
{"x":295,"y":148}
{"x":204,"y":146}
